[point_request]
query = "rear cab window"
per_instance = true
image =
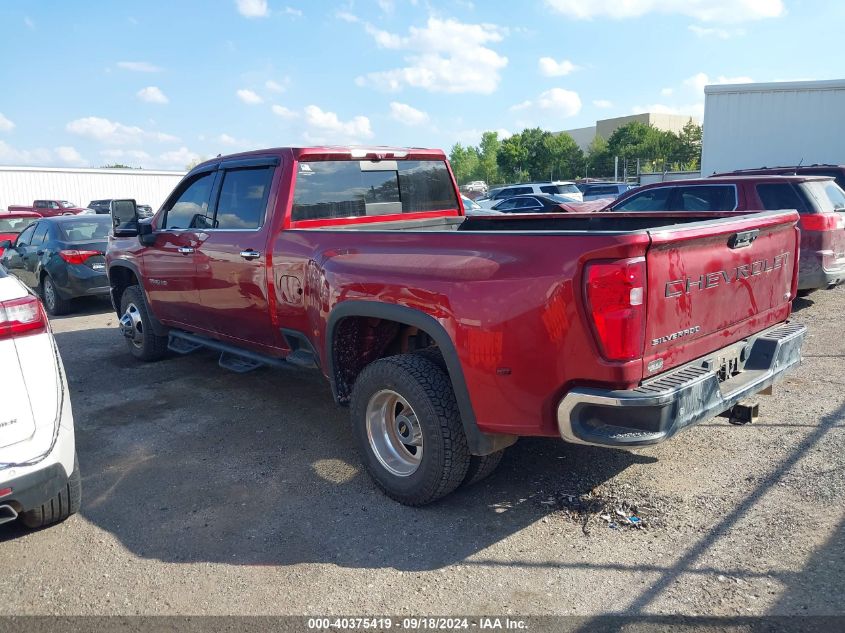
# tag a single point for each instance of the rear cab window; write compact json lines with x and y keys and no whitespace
{"x":86,"y":228}
{"x":344,"y":189}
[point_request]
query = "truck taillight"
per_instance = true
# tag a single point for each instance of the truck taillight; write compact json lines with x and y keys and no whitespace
{"x":822,"y":221}
{"x":21,"y":316}
{"x":615,"y":293}
{"x":77,"y":257}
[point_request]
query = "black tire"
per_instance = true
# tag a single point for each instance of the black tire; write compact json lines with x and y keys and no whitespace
{"x":60,"y":507}
{"x":427,"y":389}
{"x":151,"y":347}
{"x":53,"y":303}
{"x":482,"y":466}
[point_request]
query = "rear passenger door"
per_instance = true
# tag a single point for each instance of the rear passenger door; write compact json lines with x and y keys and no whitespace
{"x":232,"y":258}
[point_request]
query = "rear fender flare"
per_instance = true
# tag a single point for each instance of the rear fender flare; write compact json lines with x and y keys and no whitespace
{"x":479,"y":443}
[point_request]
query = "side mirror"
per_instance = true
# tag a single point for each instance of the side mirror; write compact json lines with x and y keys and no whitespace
{"x":124,"y":218}
{"x":4,"y":244}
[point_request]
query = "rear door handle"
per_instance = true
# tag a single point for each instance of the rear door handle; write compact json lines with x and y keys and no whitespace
{"x":186,"y":250}
{"x":250,"y":254}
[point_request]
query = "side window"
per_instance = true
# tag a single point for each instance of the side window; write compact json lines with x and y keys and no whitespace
{"x":521,"y":191}
{"x":780,"y":196}
{"x":243,"y":198}
{"x":705,"y":198}
{"x":648,"y":200}
{"x":528,"y":203}
{"x":549,"y":189}
{"x":53,"y":204}
{"x":504,"y":193}
{"x":26,"y":236}
{"x":40,"y":234}
{"x":190,"y":208}
{"x":40,"y":204}
{"x":506,"y":205}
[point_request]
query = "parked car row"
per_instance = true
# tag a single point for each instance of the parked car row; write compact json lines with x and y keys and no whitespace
{"x":51,"y":208}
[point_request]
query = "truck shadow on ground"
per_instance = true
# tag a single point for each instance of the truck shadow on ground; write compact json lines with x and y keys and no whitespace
{"x":185,"y":462}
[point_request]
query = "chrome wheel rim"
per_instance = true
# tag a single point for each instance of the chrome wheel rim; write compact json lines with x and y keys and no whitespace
{"x":394,"y":433}
{"x":132,"y":327}
{"x":49,"y":294}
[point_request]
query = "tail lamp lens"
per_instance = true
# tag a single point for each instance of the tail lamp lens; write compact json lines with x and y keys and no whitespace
{"x":615,"y":294}
{"x":77,"y":257}
{"x":21,"y":316}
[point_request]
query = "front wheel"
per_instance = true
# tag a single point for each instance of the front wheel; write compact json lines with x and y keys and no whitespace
{"x":135,"y":325}
{"x":408,"y":429}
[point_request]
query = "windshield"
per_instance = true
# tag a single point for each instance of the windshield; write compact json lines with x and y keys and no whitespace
{"x":827,"y":195}
{"x":15,"y":225}
{"x":470,"y":204}
{"x":66,"y":205}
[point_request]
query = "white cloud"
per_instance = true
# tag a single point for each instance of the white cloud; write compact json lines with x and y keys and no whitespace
{"x":225,"y":139}
{"x":249,"y":97}
{"x":327,"y":127}
{"x":718,"y":33}
{"x":667,"y":92}
{"x":139,"y":67}
{"x":253,"y":8}
{"x":275,"y":86}
{"x":406,"y":114}
{"x":728,"y":11}
{"x":297,"y":13}
{"x":152,"y":94}
{"x":387,"y":6}
{"x":63,"y":155}
{"x":283,"y":112}
{"x":136,"y":156}
{"x":699,"y":80}
{"x":114,"y":133}
{"x":5,"y":124}
{"x":68,"y":155}
{"x":603,"y":103}
{"x":443,"y":56}
{"x":178,"y":159}
{"x":552,"y":68}
{"x":557,"y":102}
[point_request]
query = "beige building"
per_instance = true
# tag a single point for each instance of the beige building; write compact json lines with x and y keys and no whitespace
{"x":583,"y":136}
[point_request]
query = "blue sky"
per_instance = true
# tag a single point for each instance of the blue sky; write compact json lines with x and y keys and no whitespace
{"x":160,"y":83}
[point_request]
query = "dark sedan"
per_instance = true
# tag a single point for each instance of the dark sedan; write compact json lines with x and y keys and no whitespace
{"x":533,"y":203}
{"x":61,"y":258}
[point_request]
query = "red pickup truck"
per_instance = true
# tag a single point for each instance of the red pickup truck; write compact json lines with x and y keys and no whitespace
{"x":451,"y":336}
{"x":818,"y":199}
{"x":49,"y":208}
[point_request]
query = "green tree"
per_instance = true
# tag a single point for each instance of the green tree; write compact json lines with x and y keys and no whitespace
{"x":689,"y":146}
{"x":512,"y":159}
{"x":488,"y":168}
{"x":599,"y":161}
{"x":464,"y":162}
{"x":565,"y":157}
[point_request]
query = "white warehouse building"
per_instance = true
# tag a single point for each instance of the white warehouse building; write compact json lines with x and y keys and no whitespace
{"x":22,"y":185}
{"x":747,"y":126}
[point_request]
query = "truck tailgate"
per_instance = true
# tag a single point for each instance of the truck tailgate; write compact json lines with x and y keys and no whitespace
{"x":715,"y":282}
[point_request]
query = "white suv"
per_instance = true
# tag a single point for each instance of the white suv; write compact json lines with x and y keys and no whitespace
{"x":39,"y":476}
{"x":561,"y":188}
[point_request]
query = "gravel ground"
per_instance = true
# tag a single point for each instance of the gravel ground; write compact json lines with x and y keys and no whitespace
{"x":207,"y":492}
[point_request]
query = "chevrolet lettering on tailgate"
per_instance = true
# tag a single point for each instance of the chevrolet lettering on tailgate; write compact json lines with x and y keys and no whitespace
{"x":678,"y":287}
